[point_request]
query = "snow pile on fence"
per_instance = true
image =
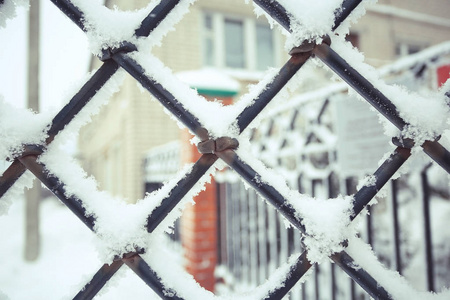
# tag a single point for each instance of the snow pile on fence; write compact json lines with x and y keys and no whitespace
{"x":8,"y":10}
{"x":121,"y":227}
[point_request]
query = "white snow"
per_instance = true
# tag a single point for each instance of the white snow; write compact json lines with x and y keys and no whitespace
{"x":8,"y":10}
{"x":210,"y":79}
{"x":108,"y":28}
{"x":309,"y":20}
{"x":427,"y":114}
{"x":18,"y":127}
{"x":67,"y":262}
{"x":395,"y":284}
{"x":120,"y":227}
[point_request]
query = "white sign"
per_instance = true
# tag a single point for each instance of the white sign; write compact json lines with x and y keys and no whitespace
{"x":361,"y":142}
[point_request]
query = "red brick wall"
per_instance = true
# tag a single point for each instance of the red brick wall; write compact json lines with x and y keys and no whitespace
{"x":199,"y":225}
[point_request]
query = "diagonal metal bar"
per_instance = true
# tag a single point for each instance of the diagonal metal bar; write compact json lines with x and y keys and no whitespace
{"x":155,"y":17}
{"x":301,"y":266}
{"x":385,"y":172}
{"x":276,"y":11}
{"x":344,"y":11}
{"x":71,"y":11}
{"x":10,"y":176}
{"x":58,"y":188}
{"x":377,"y":99}
{"x":99,"y":280}
{"x":363,"y":278}
{"x":244,"y":119}
{"x":283,"y":76}
{"x":158,"y":13}
{"x":140,"y":267}
{"x":359,"y":275}
{"x":149,"y":276}
{"x":68,"y":112}
{"x":362,"y":198}
{"x":438,"y":153}
{"x":159,"y":92}
{"x":81,"y":98}
{"x":180,"y":190}
{"x":279,"y":13}
{"x":90,"y":88}
{"x":266,"y":190}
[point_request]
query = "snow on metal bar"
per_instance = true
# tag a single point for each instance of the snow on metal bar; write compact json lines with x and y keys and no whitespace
{"x":324,"y":222}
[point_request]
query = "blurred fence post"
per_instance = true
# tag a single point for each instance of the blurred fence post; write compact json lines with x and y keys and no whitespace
{"x":33,"y":195}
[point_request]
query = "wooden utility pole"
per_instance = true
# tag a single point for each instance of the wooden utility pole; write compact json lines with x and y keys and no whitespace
{"x":33,"y":195}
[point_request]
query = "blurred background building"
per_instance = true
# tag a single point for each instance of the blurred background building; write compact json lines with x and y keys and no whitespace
{"x":132,"y":146}
{"x":227,"y":37}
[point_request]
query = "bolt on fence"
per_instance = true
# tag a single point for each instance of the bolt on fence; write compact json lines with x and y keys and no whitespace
{"x":224,"y":148}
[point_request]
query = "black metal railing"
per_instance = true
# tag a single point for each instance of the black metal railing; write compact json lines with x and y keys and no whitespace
{"x":116,"y":58}
{"x":253,"y":240}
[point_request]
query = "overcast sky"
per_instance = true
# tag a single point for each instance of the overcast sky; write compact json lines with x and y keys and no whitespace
{"x":64,"y":57}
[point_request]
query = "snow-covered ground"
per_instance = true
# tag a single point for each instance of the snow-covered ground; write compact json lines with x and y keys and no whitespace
{"x":67,"y":261}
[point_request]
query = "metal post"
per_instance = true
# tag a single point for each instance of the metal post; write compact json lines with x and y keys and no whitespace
{"x":397,"y":245}
{"x":33,"y":195}
{"x":427,"y":230}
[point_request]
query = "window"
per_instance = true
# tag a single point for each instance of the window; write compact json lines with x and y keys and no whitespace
{"x":208,"y":52}
{"x":234,"y":44}
{"x":402,"y":49}
{"x":231,"y":41}
{"x":265,"y":47}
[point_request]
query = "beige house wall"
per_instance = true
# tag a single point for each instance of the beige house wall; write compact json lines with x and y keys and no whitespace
{"x":380,"y":32}
{"x":113,"y":146}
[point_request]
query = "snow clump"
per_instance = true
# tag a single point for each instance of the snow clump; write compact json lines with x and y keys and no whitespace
{"x":8,"y":10}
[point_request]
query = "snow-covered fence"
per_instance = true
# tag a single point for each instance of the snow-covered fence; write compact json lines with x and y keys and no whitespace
{"x":299,"y":140}
{"x":123,"y":42}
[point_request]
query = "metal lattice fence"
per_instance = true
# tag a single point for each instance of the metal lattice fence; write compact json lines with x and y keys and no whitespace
{"x":300,"y":139}
{"x":225,"y":148}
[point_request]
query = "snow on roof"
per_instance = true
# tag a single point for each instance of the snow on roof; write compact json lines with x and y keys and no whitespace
{"x":209,"y":79}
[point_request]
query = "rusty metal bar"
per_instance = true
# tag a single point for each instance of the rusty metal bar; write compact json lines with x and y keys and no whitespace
{"x":344,"y":11}
{"x":71,"y":11}
{"x":10,"y":176}
{"x":99,"y":280}
{"x":67,"y":113}
{"x":438,"y":153}
{"x":267,"y":191}
{"x":377,"y":99}
{"x":135,"y":262}
{"x":396,"y":227}
{"x":158,"y":13}
{"x":426,"y":198}
{"x":363,"y":278}
{"x":81,"y":98}
{"x":359,"y":83}
{"x":301,"y":266}
{"x":57,"y":187}
{"x":382,"y":175}
{"x":276,"y":11}
{"x":90,"y":88}
{"x":149,"y":276}
{"x":155,"y":17}
{"x":180,"y":190}
{"x":161,"y":94}
{"x":279,"y":13}
{"x":284,"y":75}
{"x":359,"y":275}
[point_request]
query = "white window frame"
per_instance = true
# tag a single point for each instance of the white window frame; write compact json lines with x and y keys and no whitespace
{"x":218,"y":21}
